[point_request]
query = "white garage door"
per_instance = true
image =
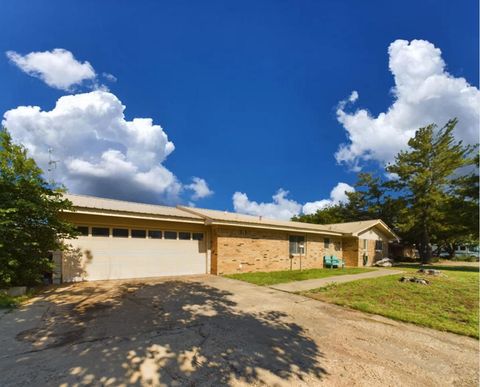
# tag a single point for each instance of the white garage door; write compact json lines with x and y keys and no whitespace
{"x":118,"y":257}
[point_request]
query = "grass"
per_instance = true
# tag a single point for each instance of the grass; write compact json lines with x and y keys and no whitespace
{"x":449,"y":303}
{"x":278,"y":277}
{"x":8,"y":302}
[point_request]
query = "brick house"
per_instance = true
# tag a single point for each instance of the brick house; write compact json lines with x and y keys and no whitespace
{"x":122,"y":239}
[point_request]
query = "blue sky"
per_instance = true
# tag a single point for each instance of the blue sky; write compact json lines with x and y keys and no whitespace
{"x":246,"y":91}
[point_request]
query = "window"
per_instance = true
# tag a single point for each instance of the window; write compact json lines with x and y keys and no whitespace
{"x":100,"y":231}
{"x":83,"y":230}
{"x":463,"y":248}
{"x":365,"y":244}
{"x":120,"y":232}
{"x":326,"y":243}
{"x":139,"y":233}
{"x":170,"y":235}
{"x":184,"y":236}
{"x":378,"y":245}
{"x":154,"y":234}
{"x":297,"y":244}
{"x":197,"y":236}
{"x":338,"y":245}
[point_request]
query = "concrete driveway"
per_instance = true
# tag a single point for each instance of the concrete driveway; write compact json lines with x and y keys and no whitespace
{"x":214,"y":331}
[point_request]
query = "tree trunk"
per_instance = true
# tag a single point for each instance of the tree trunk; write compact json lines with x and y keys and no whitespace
{"x":451,"y":250}
{"x":426,"y":247}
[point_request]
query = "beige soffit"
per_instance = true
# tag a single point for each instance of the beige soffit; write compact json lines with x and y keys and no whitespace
{"x":111,"y":207}
{"x":355,"y":228}
{"x":226,"y":218}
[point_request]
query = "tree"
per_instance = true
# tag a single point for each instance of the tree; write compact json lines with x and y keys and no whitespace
{"x":461,"y":223}
{"x":370,"y":200}
{"x":427,"y":178}
{"x":30,"y":226}
{"x":331,"y":214}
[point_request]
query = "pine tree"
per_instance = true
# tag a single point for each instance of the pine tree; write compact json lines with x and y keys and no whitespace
{"x":461,"y":210}
{"x":426,"y":179}
{"x":372,"y":200}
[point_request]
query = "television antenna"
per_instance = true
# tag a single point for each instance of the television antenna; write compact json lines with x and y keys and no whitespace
{"x":52,"y":166}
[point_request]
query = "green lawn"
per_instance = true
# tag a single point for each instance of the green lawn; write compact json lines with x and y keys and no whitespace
{"x":449,"y":303}
{"x":278,"y":277}
{"x":12,"y":302}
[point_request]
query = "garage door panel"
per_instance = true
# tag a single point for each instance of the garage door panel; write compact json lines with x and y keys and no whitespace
{"x":117,"y":258}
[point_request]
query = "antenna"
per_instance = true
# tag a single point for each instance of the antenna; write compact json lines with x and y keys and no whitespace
{"x":52,"y":165}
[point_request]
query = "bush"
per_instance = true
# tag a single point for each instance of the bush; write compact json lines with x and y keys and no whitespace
{"x":469,"y":258}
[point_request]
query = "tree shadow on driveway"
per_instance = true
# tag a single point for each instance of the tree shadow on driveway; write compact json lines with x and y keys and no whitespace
{"x":172,"y":333}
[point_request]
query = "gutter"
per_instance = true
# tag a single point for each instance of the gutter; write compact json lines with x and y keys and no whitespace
{"x":272,"y":227}
{"x":135,"y":215}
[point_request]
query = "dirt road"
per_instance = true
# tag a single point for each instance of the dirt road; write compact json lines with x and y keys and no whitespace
{"x":215,"y":331}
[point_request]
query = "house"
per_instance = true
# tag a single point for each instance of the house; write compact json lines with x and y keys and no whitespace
{"x":120,"y":239}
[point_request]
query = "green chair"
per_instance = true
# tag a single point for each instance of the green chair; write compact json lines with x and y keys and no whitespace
{"x":333,"y":261}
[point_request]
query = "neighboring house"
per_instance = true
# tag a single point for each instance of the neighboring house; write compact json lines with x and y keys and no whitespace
{"x":403,"y":251}
{"x":122,"y":239}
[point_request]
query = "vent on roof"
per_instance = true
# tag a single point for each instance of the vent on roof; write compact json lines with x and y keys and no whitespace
{"x":260,"y":218}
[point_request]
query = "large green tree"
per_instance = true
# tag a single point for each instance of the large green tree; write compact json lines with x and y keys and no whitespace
{"x":30,"y":226}
{"x":428,"y":176}
{"x":461,"y":211}
{"x":335,"y":213}
{"x":371,"y":200}
{"x":432,"y":199}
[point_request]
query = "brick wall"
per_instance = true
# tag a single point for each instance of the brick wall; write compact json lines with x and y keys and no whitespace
{"x":351,"y":252}
{"x":238,"y":250}
{"x":374,"y":255}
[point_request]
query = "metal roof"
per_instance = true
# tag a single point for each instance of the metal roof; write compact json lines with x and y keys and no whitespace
{"x":89,"y":203}
{"x":230,"y":218}
{"x":355,"y":228}
{"x":102,"y":206}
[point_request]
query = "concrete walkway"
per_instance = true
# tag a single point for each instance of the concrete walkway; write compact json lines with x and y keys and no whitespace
{"x":300,"y":286}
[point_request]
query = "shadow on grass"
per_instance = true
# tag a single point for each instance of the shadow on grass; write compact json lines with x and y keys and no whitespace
{"x":473,"y":269}
{"x":171,"y":333}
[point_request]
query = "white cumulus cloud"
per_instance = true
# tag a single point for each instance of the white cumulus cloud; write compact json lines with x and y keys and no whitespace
{"x":280,"y":208}
{"x":98,"y":151}
{"x":337,"y":195}
{"x":284,"y":208}
{"x":57,"y":68}
{"x":200,"y":188}
{"x":424,"y":93}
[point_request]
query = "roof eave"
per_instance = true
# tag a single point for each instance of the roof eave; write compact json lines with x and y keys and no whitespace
{"x":272,"y":227}
{"x":132,"y":215}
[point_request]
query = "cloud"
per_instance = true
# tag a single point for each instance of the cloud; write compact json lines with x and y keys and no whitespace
{"x":284,"y":208}
{"x":424,"y":93}
{"x":109,"y":77}
{"x":98,"y":151}
{"x":337,"y":195}
{"x":281,"y":208}
{"x":200,"y":188}
{"x":57,"y":68}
